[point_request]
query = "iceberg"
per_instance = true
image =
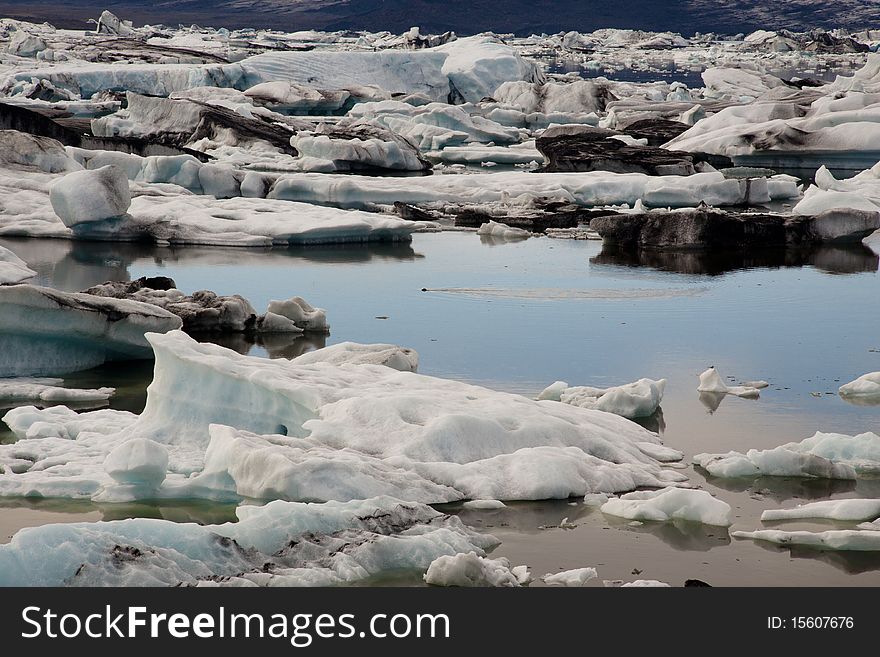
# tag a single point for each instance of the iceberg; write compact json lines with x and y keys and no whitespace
{"x":576,"y":577}
{"x":90,"y":195}
{"x":843,"y":510}
{"x":279,"y":544}
{"x":671,"y":504}
{"x":470,"y":569}
{"x":711,"y":382}
{"x":47,"y":332}
{"x":48,"y":390}
{"x":865,"y":389}
{"x":319,"y":431}
{"x":503,"y":231}
{"x":825,"y":455}
{"x":638,"y":399}
{"x":836,"y":539}
{"x":13,"y":270}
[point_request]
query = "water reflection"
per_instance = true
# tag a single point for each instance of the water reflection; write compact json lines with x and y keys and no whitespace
{"x":276,"y":345}
{"x":203,"y":513}
{"x":848,"y":561}
{"x":849,"y":259}
{"x":678,"y":534}
{"x":781,"y":489}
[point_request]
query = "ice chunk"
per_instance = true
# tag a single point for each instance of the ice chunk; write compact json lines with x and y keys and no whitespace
{"x":838,"y":539}
{"x":470,"y":569}
{"x":825,"y":455}
{"x":576,"y":577}
{"x":301,"y":313}
{"x":671,"y":504}
{"x":49,"y":390}
{"x":638,"y":583}
{"x":13,"y":269}
{"x":389,"y":355}
{"x":639,"y":399}
{"x":828,"y":509}
{"x":138,"y":462}
{"x":484,"y":505}
{"x":90,"y":195}
{"x":866,"y":388}
{"x":45,"y":332}
{"x":502,"y":231}
{"x":279,"y":544}
{"x":476,"y":66}
{"x":710,"y":381}
{"x":350,"y":429}
{"x":43,"y":153}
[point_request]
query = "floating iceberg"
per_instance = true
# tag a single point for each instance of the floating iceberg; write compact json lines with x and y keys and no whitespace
{"x":90,"y":195}
{"x":389,"y":355}
{"x":710,"y":381}
{"x":671,"y":504}
{"x":638,"y":399}
{"x":825,"y":455}
{"x":280,"y":544}
{"x":865,"y":389}
{"x":46,"y":332}
{"x":838,"y":539}
{"x":576,"y":577}
{"x":320,"y":431}
{"x":470,"y":569}
{"x":13,"y":270}
{"x":845,"y":510}
{"x":503,"y":231}
{"x":48,"y":390}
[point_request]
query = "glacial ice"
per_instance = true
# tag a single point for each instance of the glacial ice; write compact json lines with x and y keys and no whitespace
{"x":575,"y":577}
{"x":47,"y":332}
{"x":825,"y":455}
{"x":515,"y":188}
{"x":638,"y":399}
{"x":710,"y":381}
{"x":321,"y":431}
{"x":279,"y":544}
{"x":138,"y":462}
{"x":389,"y":355}
{"x":866,"y":388}
{"x":502,"y":231}
{"x":844,"y":510}
{"x":484,"y":505}
{"x":302,"y":314}
{"x":13,"y":270}
{"x":670,"y":504}
{"x":90,"y":195}
{"x":48,"y":390}
{"x":470,"y":569}
{"x":835,"y":539}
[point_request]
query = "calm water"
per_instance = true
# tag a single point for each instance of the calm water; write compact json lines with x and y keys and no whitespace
{"x":519,"y":316}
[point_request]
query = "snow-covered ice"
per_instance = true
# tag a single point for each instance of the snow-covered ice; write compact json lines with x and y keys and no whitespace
{"x":671,"y":504}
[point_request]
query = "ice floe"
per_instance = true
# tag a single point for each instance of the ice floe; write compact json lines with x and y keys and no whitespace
{"x":13,"y":270}
{"x":711,"y":381}
{"x":638,"y":399}
{"x":47,"y":332}
{"x":575,"y":577}
{"x":671,"y":504}
{"x":844,"y":510}
{"x":280,"y":544}
{"x":48,"y":390}
{"x":835,"y":539}
{"x":90,"y":195}
{"x":323,"y":431}
{"x":865,"y":389}
{"x":824,"y":455}
{"x":470,"y":569}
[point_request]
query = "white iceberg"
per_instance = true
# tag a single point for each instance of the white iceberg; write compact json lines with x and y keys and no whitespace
{"x":864,"y":388}
{"x":836,"y":539}
{"x":48,"y":390}
{"x":470,"y":570}
{"x":280,"y":544}
{"x":638,"y":399}
{"x":671,"y":504}
{"x":326,"y":431}
{"x":46,"y":332}
{"x":502,"y":231}
{"x":825,"y":455}
{"x":389,"y":355}
{"x":845,"y":510}
{"x":90,"y":195}
{"x":576,"y":577}
{"x":13,"y":270}
{"x":710,"y":381}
